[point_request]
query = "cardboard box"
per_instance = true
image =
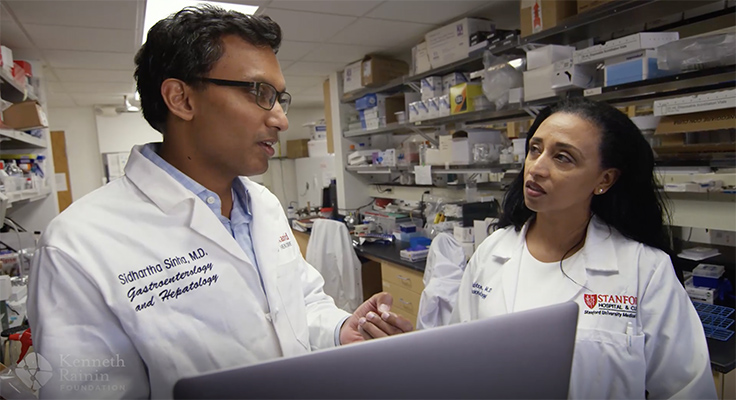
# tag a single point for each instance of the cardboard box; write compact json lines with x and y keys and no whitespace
{"x":697,"y":122}
{"x":420,"y":59}
{"x":462,"y":97}
{"x":25,"y":115}
{"x":382,"y":107}
{"x":445,"y":148}
{"x":298,"y":148}
{"x":538,"y":15}
{"x":538,"y":83}
{"x":433,"y":107}
{"x":635,"y":67}
{"x":585,"y":5}
{"x":414,"y":111}
{"x":566,"y":75}
{"x":352,"y":78}
{"x":547,"y":55}
{"x":379,"y":70}
{"x":625,"y":45}
{"x":451,"y":42}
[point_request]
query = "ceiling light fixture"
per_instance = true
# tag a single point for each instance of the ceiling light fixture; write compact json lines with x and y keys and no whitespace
{"x":156,"y":10}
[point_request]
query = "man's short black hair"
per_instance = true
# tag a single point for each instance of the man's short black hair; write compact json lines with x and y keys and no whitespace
{"x":186,"y":45}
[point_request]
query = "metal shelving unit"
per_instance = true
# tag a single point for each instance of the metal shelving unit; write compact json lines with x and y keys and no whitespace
{"x":436,"y":169}
{"x":11,"y":90}
{"x":13,"y":140}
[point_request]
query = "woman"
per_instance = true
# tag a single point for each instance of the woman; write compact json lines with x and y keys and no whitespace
{"x":584,"y":223}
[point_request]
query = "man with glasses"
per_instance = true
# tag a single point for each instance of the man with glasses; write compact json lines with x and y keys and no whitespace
{"x":184,"y":266}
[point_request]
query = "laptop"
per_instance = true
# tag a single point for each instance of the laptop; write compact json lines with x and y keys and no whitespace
{"x":521,"y":355}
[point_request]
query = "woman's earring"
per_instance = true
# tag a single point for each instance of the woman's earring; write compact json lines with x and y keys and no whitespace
{"x":600,"y":191}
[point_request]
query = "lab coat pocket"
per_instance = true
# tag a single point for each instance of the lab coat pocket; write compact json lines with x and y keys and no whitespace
{"x":608,"y":364}
{"x":292,"y":298}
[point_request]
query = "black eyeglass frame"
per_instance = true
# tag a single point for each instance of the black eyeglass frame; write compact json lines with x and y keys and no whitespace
{"x":257,"y":87}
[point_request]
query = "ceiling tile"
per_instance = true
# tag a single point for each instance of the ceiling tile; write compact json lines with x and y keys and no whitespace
{"x":86,"y":39}
{"x":59,"y":100}
{"x":94,"y":75}
{"x":293,"y":51}
{"x":302,"y":82}
{"x":349,"y":7}
{"x":433,"y":12}
{"x":55,"y":88}
{"x":307,"y":26}
{"x":379,"y":32}
{"x":12,"y":36}
{"x":344,"y":53}
{"x":99,"y":87}
{"x":120,"y":14}
{"x":49,"y":75}
{"x":306,"y":68}
{"x":89,"y":59}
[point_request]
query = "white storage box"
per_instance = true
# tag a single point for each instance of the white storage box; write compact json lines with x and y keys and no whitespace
{"x":566,"y":75}
{"x":538,"y":83}
{"x":433,"y":107}
{"x":624,"y":45}
{"x":414,"y":111}
{"x":452,"y":79}
{"x":431,"y":86}
{"x":547,"y":55}
{"x":352,"y":77}
{"x":420,"y":58}
{"x":317,"y":148}
{"x":452,"y":42}
{"x":443,"y":103}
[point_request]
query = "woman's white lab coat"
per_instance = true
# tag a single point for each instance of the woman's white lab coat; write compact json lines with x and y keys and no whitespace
{"x":664,"y":352}
{"x":137,"y":285}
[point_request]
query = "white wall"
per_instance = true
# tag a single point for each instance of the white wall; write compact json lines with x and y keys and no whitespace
{"x":120,"y":132}
{"x":82,"y":149}
{"x":297,"y":118}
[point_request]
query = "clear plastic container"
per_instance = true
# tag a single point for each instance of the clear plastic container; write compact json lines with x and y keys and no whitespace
{"x":411,"y":149}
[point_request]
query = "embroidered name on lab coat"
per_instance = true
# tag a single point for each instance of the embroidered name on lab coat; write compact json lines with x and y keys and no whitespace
{"x":611,"y":305}
{"x":184,"y":274}
{"x":480,"y":290}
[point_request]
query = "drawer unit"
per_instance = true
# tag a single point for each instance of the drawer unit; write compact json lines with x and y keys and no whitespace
{"x":404,"y":300}
{"x":403,"y":277}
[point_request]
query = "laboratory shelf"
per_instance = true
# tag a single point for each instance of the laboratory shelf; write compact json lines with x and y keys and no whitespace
{"x":436,"y":169}
{"x":12,"y":139}
{"x":512,"y":113}
{"x":393,"y":85}
{"x":28,"y":195}
{"x":608,"y":21}
{"x":10,"y":89}
{"x":668,"y":86}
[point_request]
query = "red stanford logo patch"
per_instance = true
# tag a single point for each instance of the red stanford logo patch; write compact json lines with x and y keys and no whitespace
{"x":591,"y":300}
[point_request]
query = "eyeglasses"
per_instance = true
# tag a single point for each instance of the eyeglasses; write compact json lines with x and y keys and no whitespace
{"x":266,"y":94}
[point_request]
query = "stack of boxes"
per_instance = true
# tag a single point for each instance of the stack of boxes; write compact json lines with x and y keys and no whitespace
{"x":540,"y":65}
{"x":435,"y":101}
{"x":703,"y":285}
{"x":376,"y":110}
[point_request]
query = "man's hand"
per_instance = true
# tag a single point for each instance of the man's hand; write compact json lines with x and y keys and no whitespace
{"x":373,"y":319}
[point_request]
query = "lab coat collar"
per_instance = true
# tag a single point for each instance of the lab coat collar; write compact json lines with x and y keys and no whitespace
{"x":168,"y":194}
{"x":598,"y":253}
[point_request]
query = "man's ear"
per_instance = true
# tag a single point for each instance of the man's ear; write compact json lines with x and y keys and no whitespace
{"x":177,"y":96}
